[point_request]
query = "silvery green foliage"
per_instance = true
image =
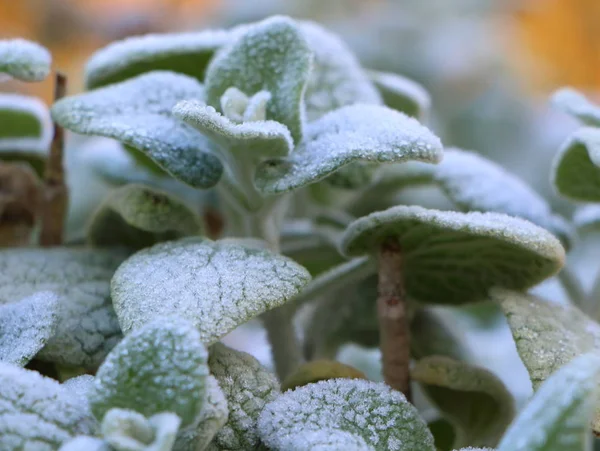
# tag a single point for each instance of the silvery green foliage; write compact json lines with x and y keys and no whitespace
{"x":271,"y":55}
{"x":86,"y":443}
{"x":87,"y":328}
{"x":402,"y":94}
{"x":138,"y":216}
{"x":160,"y":367}
{"x":137,"y":112}
{"x":248,"y":387}
{"x":36,"y":413}
{"x":238,"y":281}
{"x":356,"y":411}
{"x":24,"y":60}
{"x":576,"y":171}
{"x":212,"y":418}
{"x":26,"y":326}
{"x":481,"y":250}
{"x":558,"y":416}
{"x":587,"y":218}
{"x":80,"y":385}
{"x":576,"y":104}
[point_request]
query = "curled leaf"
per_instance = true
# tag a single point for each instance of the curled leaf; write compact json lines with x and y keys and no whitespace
{"x":24,"y":60}
{"x":402,"y":94}
{"x":574,"y":103}
{"x":320,"y":370}
{"x":587,"y":218}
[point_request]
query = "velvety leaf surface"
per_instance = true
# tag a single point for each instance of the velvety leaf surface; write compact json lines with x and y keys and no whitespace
{"x":36,"y":413}
{"x":160,"y":367}
{"x":356,"y":411}
{"x":474,"y":400}
{"x":217,"y":285}
{"x":85,"y":443}
{"x":88,"y":328}
{"x":402,"y":94}
{"x":137,"y":112}
{"x":455,"y":258}
{"x":576,"y":172}
{"x":26,"y":326}
{"x":576,"y":104}
{"x":24,"y":60}
{"x":248,"y":387}
{"x":320,"y":370}
{"x":368,"y":133}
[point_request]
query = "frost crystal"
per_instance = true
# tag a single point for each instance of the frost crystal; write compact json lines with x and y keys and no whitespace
{"x":373,"y":412}
{"x":24,"y":60}
{"x":402,"y":94}
{"x":575,"y":104}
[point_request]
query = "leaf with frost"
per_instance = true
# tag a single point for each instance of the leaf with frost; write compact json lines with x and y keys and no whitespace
{"x":357,"y":411}
{"x":558,"y":416}
{"x":272,"y":56}
{"x":85,"y":443}
{"x":217,"y":285}
{"x":576,"y":167}
{"x":587,"y":218}
{"x":367,"y":133}
{"x":211,"y":419}
{"x":88,"y":328}
{"x":36,"y":413}
{"x":185,"y":53}
{"x":160,"y":367}
{"x":474,"y":400}
{"x":402,"y":94}
{"x":24,"y":60}
{"x":138,"y":216}
{"x":455,"y":258}
{"x":248,"y":387}
{"x":137,"y":112}
{"x":576,"y":104}
{"x":320,"y":370}
{"x":26,"y":326}
{"x":25,"y":130}
{"x":80,"y":385}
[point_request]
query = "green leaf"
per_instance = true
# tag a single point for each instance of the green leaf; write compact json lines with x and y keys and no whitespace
{"x":138,"y":216}
{"x":430,"y":335}
{"x":238,"y":282}
{"x":474,"y":400}
{"x":88,"y":328}
{"x":455,"y":258}
{"x":248,"y":387}
{"x":587,"y":218}
{"x":367,"y":133}
{"x":137,"y":112}
{"x":402,"y":94}
{"x":160,"y":367}
{"x":576,"y":104}
{"x":320,"y":370}
{"x":24,"y":60}
{"x":185,"y":53}
{"x":355,"y":411}
{"x":36,"y":413}
{"x":271,"y":55}
{"x":26,"y":326}
{"x":558,"y":416}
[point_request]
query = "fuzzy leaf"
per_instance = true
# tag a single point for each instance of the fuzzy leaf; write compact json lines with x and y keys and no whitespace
{"x":160,"y":367}
{"x":587,"y":218}
{"x":185,"y":53}
{"x":80,"y":386}
{"x":576,"y":172}
{"x":24,"y":60}
{"x":26,"y":326}
{"x":474,"y":400}
{"x":36,"y":413}
{"x":383,"y":418}
{"x":368,"y":133}
{"x":320,"y":370}
{"x":455,"y":258}
{"x":238,"y":282}
{"x":271,"y":55}
{"x":88,"y":328}
{"x":402,"y":94}
{"x":576,"y":104}
{"x":557,"y":418}
{"x":248,"y":387}
{"x":137,"y":112}
{"x":84,"y":443}
{"x":139,"y":216}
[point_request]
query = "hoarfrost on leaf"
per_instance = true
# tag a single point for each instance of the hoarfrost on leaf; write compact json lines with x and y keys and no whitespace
{"x":137,"y":112}
{"x":37,"y":413}
{"x":85,"y":443}
{"x":320,"y":370}
{"x":455,"y":258}
{"x":367,"y":133}
{"x":160,"y":367}
{"x":87,"y":328}
{"x":575,"y":103}
{"x":217,"y":285}
{"x":26,"y":326}
{"x":402,"y":94}
{"x":24,"y":60}
{"x":382,"y":417}
{"x":248,"y":387}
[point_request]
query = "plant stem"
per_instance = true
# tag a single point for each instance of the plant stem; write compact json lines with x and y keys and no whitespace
{"x":394,"y":335}
{"x":55,"y":193}
{"x":572,"y":287}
